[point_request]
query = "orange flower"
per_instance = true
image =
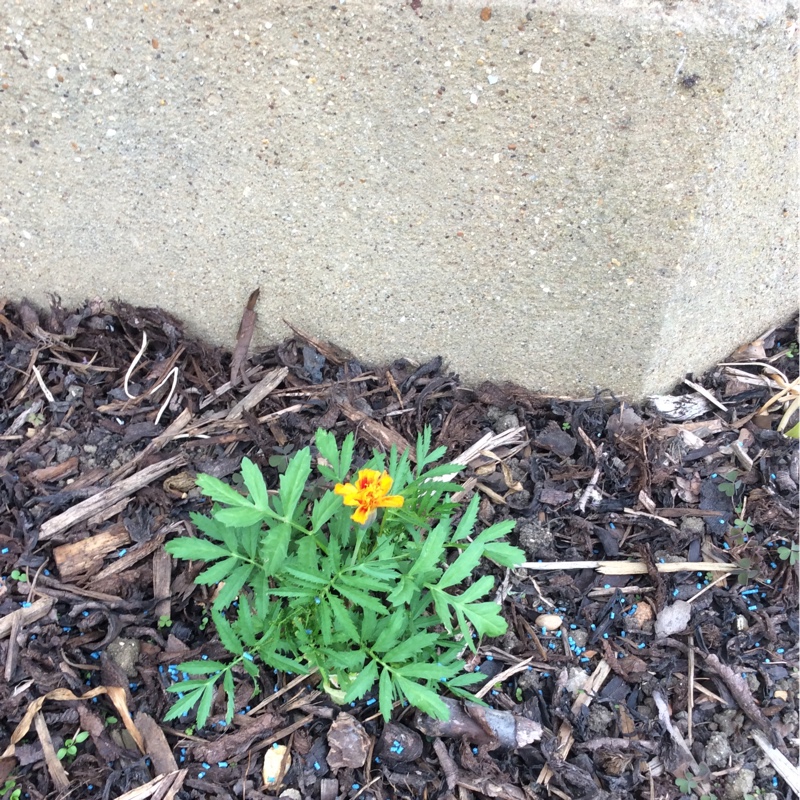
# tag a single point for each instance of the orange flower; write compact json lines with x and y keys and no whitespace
{"x":368,"y":492}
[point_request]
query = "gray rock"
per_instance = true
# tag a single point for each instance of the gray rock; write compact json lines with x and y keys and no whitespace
{"x":125,"y":653}
{"x":600,"y":718}
{"x":739,"y":783}
{"x":718,"y":750}
{"x":535,"y":539}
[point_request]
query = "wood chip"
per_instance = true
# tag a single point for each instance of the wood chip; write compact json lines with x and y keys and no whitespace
{"x":86,"y":556}
{"x":95,"y":504}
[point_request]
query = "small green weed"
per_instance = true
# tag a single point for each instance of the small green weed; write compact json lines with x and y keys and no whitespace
{"x":325,"y":583}
{"x":731,"y":483}
{"x":19,"y":576}
{"x":70,"y":748}
{"x":790,"y":554}
{"x":688,"y":784}
{"x":741,"y":530}
{"x":10,"y":791}
{"x":164,"y":621}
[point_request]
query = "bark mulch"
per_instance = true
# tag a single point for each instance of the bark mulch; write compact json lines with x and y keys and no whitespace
{"x":652,"y":647}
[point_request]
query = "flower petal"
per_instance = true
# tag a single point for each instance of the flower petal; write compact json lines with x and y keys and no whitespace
{"x":390,"y":501}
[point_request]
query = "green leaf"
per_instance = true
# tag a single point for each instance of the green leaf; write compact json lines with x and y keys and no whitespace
{"x":201,"y":667}
{"x":275,"y":547}
{"x":293,"y":481}
{"x":432,"y":550}
{"x":204,"y":706}
{"x":230,"y":641}
{"x":324,"y":622}
{"x":504,"y":554}
{"x":434,"y":672}
{"x":478,"y":589}
{"x":363,"y":683}
{"x":403,"y":591}
{"x":410,"y":647}
{"x":462,"y":566}
{"x":81,"y":736}
{"x":233,"y":585}
{"x":324,"y":509}
{"x":343,"y":619}
{"x":305,"y":577}
{"x":486,"y":618}
{"x":254,"y":481}
{"x":426,"y":700}
{"x":240,"y":517}
{"x":467,"y":522}
{"x":227,"y":685}
{"x":190,"y":549}
{"x":391,"y":632}
{"x":466,"y":679}
{"x":364,"y":600}
{"x":217,"y":572}
{"x":220,"y":492}
{"x":184,"y":704}
{"x":278,"y":661}
{"x":385,"y":694}
{"x":244,"y":618}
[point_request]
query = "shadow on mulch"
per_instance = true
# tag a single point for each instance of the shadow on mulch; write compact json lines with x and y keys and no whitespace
{"x":692,"y":673}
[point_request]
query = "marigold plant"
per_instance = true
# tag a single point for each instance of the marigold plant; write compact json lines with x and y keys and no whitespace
{"x":382,"y":596}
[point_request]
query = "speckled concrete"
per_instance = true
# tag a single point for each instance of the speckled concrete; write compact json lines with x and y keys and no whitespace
{"x":568,"y":195}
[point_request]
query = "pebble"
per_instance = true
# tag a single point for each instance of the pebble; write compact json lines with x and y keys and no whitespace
{"x":550,"y":622}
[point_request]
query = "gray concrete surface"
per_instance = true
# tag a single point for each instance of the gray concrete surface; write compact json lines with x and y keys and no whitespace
{"x":566,"y":195}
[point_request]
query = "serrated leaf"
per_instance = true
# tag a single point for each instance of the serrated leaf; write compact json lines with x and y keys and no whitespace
{"x":391,"y":632}
{"x":486,"y":618}
{"x":410,"y":647}
{"x":233,"y":585}
{"x":209,"y":526}
{"x":282,"y":662}
{"x":324,"y":509}
{"x":364,"y":600}
{"x":467,"y":522}
{"x":217,"y":572}
{"x":324,"y":621}
{"x":184,"y":704}
{"x":230,"y":641}
{"x":385,"y":694}
{"x":466,"y":679}
{"x":343,"y":619}
{"x":359,"y":580}
{"x":240,"y":517}
{"x":254,"y":481}
{"x":250,"y":668}
{"x":293,"y":481}
{"x":185,"y":686}
{"x":462,"y":566}
{"x":275,"y":548}
{"x":244,"y":618}
{"x":432,"y":549}
{"x":190,"y":549}
{"x":423,"y":698}
{"x":434,"y":672}
{"x":363,"y":682}
{"x":201,"y":667}
{"x":204,"y":706}
{"x":227,"y":685}
{"x":305,"y":577}
{"x":478,"y":589}
{"x":403,"y":592}
{"x":504,"y":554}
{"x":440,"y":600}
{"x":220,"y":492}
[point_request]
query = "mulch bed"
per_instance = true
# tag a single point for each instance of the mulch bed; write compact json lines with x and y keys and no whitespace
{"x":692,"y":674}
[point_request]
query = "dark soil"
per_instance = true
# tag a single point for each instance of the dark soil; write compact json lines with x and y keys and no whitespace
{"x":94,"y":613}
